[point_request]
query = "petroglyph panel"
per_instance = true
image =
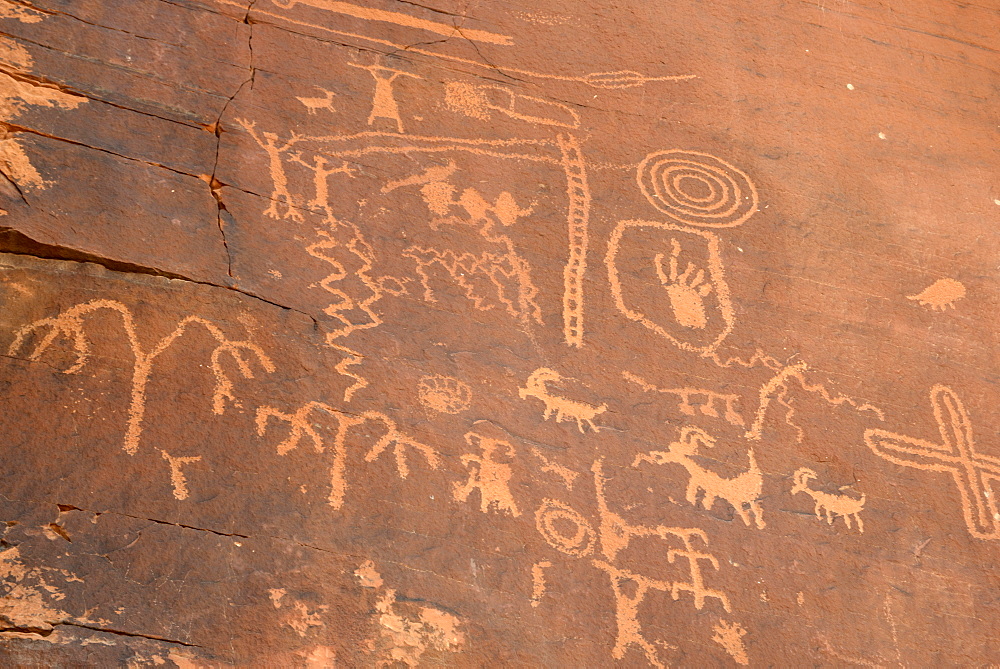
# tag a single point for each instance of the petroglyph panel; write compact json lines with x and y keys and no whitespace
{"x":374,"y":333}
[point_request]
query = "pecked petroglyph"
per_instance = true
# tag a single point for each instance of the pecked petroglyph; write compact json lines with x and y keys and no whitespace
{"x":695,"y":401}
{"x":399,"y":19}
{"x":829,"y":505}
{"x":177,"y":478}
{"x":940,"y":295}
{"x":407,"y":629}
{"x":384,"y":105}
{"x":565,"y":474}
{"x":313,"y":104}
{"x":693,"y":311}
{"x":500,"y":277}
{"x":479,"y":101}
{"x":444,"y":394}
{"x":572,"y":534}
{"x":302,"y":426}
{"x":16,"y":97}
{"x":730,"y":635}
{"x":741,"y":492}
{"x":537,"y":386}
{"x":697,"y":188}
{"x":274,"y":148}
{"x":487,"y":475}
{"x":71,"y":325}
{"x":974,"y":473}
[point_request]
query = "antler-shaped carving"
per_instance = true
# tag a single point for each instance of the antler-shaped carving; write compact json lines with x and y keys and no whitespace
{"x":70,"y":324}
{"x":301,"y":426}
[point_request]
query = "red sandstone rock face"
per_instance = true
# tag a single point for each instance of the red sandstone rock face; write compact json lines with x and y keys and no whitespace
{"x":377,"y":333}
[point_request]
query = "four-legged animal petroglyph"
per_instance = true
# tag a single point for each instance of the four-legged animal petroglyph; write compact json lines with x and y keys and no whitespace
{"x":70,"y":324}
{"x":564,"y":409}
{"x":314,"y":104}
{"x":742,"y":491}
{"x":303,"y":425}
{"x":973,"y":472}
{"x":490,"y":477}
{"x":829,"y":505}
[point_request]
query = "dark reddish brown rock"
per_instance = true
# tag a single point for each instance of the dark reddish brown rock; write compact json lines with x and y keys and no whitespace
{"x":353,"y":334}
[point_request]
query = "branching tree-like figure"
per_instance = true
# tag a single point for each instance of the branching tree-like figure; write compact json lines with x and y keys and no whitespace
{"x":70,"y":324}
{"x":303,"y":425}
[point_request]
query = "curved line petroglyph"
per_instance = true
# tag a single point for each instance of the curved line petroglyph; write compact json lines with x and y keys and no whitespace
{"x":723,"y":196}
{"x":71,"y":325}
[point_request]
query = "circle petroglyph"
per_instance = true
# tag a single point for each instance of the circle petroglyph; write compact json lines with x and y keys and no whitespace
{"x":697,"y":188}
{"x":554,"y":518}
{"x":444,"y":394}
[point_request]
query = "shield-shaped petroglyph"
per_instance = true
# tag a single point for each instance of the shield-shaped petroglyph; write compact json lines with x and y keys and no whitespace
{"x":670,"y":278}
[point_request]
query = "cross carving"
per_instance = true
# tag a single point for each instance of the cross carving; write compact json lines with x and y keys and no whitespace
{"x":973,"y":472}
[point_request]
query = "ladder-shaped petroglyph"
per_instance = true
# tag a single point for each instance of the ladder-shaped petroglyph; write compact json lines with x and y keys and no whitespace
{"x":565,"y":409}
{"x":956,"y":455}
{"x":829,"y":505}
{"x":578,"y":219}
{"x":444,"y":394}
{"x":313,"y":104}
{"x":71,"y":325}
{"x":302,"y":424}
{"x":384,"y":105}
{"x":940,"y":295}
{"x":694,"y":401}
{"x":571,"y":533}
{"x":742,"y":492}
{"x":488,"y":278}
{"x":488,"y":475}
{"x":691,"y":308}
{"x":177,"y":478}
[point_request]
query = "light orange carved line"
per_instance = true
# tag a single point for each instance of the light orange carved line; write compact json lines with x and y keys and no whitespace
{"x":399,"y":19}
{"x":716,"y":271}
{"x":538,"y":581}
{"x":70,"y":324}
{"x":578,"y":216}
{"x":974,"y":473}
{"x":608,"y":80}
{"x":301,"y":424}
{"x":685,"y":395}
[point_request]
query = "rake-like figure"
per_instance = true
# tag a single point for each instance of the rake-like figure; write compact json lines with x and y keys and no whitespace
{"x":70,"y":325}
{"x":303,"y":424}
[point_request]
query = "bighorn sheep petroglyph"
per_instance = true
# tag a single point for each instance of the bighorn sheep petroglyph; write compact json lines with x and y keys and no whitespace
{"x":742,"y":492}
{"x":565,"y":409}
{"x":827,"y":504}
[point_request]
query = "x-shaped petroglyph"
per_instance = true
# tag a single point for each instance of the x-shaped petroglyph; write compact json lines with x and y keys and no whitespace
{"x":956,"y":455}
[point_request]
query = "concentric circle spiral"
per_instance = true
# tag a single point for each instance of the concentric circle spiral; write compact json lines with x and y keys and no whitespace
{"x":552,"y":512}
{"x":697,"y":188}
